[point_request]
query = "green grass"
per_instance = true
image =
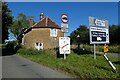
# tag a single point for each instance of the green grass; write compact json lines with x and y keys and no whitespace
{"x":82,"y":66}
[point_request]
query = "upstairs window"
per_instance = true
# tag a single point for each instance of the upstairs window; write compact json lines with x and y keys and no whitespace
{"x":53,"y":32}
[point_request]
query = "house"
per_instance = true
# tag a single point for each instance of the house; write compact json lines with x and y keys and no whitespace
{"x":43,"y":34}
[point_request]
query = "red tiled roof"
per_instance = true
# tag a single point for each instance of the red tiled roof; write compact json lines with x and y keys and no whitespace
{"x":46,"y":22}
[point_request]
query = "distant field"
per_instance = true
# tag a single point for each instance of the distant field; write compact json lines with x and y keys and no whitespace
{"x":81,"y":66}
{"x":99,"y":48}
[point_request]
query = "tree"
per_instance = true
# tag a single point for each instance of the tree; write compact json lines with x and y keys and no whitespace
{"x":19,"y":24}
{"x":118,"y":34}
{"x":6,"y":20}
{"x":73,"y":37}
{"x":83,"y":33}
{"x":114,"y":34}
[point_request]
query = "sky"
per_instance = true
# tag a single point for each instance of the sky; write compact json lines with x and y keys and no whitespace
{"x":78,"y":12}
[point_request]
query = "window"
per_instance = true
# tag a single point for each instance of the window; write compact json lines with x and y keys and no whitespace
{"x":53,"y":32}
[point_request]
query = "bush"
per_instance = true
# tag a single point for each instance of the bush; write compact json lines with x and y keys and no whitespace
{"x":10,"y":47}
{"x":30,"y":51}
{"x":114,"y":49}
{"x":13,"y":46}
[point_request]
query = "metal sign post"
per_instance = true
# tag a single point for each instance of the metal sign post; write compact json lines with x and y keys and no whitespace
{"x":64,"y":42}
{"x":64,"y":56}
{"x":94,"y":51}
{"x":99,"y":32}
{"x":64,"y":53}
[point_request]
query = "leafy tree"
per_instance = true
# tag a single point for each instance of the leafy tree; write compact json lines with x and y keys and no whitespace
{"x":118,"y":34}
{"x":83,"y":33}
{"x":114,"y":34}
{"x":6,"y":20}
{"x":73,"y":37}
{"x":19,"y":25}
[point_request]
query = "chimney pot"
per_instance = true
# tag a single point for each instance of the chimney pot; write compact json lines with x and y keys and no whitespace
{"x":41,"y":16}
{"x":31,"y":22}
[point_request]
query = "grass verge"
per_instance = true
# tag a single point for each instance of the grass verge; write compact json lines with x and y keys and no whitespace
{"x":82,"y":65}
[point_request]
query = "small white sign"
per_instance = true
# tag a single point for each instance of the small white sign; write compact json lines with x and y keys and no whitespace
{"x":99,"y":22}
{"x":64,"y":45}
{"x":64,"y":27}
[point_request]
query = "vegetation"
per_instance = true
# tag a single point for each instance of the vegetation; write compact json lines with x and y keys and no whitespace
{"x":2,"y":45}
{"x":80,"y":35}
{"x":99,"y":48}
{"x":83,"y":33}
{"x":82,"y":65}
{"x":79,"y":63}
{"x":114,"y":34}
{"x":6,"y":20}
{"x":19,"y":25}
{"x":15,"y":26}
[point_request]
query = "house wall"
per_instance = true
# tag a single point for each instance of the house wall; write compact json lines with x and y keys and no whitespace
{"x":41,"y":35}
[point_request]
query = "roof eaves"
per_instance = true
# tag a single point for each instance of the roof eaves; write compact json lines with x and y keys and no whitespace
{"x":47,"y":27}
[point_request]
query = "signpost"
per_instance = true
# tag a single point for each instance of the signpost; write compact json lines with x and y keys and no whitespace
{"x":64,"y":25}
{"x":64,"y":42}
{"x":110,"y":63}
{"x":64,"y":46}
{"x":99,"y":32}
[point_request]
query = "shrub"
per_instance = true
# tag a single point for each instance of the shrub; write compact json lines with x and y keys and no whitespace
{"x":10,"y":47}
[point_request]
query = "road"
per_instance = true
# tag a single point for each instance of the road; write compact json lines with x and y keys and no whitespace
{"x":112,"y":54}
{"x":14,"y":66}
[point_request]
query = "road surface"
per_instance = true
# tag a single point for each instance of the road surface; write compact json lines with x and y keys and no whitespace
{"x":112,"y":54}
{"x":14,"y":66}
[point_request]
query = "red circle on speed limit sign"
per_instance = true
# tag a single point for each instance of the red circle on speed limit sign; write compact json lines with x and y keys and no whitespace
{"x":64,"y":18}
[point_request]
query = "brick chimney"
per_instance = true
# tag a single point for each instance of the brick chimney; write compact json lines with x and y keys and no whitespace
{"x":41,"y":16}
{"x":31,"y":22}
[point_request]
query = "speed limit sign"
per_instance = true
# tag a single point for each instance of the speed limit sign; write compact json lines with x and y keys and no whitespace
{"x":64,"y":18}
